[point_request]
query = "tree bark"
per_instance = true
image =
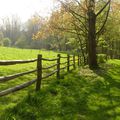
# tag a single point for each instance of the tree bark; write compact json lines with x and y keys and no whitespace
{"x":92,"y":57}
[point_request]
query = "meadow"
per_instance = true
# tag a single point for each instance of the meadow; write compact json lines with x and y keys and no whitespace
{"x":81,"y":94}
{"x":20,"y":54}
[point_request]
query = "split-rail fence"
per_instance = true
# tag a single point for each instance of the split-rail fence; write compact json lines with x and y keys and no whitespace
{"x":70,"y":61}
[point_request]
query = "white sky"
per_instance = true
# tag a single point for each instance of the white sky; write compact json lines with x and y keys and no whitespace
{"x":25,"y":8}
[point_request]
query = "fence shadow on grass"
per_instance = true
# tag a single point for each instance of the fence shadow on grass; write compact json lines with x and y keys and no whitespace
{"x":80,"y":95}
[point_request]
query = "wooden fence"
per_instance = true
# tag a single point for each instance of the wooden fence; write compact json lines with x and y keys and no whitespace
{"x":39,"y":70}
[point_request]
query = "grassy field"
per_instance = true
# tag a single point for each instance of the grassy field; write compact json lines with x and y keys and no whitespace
{"x":82,"y":94}
{"x":20,"y":54}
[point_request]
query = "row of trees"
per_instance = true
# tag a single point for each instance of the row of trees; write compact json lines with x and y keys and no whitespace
{"x":85,"y":26}
{"x":88,"y":26}
{"x":16,"y":34}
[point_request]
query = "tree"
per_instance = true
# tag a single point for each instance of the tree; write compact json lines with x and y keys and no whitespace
{"x":32,"y":27}
{"x":111,"y":34}
{"x":85,"y":14}
{"x":59,"y":38}
{"x":11,"y":28}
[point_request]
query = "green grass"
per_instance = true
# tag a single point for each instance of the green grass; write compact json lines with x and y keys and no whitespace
{"x":82,"y":94}
{"x":20,"y":54}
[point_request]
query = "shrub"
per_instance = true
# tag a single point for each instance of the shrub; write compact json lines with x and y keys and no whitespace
{"x":101,"y":58}
{"x":6,"y":42}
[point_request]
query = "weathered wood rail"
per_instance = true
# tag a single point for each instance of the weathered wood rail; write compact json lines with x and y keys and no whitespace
{"x":13,"y":62}
{"x":59,"y":66}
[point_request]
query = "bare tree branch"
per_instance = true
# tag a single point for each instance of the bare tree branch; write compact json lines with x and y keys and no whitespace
{"x":80,"y":4}
{"x":103,"y":8}
{"x":80,"y":43}
{"x":104,"y":22}
{"x":74,"y":14}
{"x":80,"y":22}
{"x":70,"y":10}
{"x":67,"y":30}
{"x":79,"y":27}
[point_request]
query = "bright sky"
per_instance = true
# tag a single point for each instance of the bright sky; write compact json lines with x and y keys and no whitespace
{"x":25,"y":8}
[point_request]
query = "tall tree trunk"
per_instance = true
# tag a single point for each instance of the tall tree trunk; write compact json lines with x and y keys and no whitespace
{"x":92,"y":57}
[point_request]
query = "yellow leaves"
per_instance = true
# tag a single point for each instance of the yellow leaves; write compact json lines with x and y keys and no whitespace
{"x":55,"y":26}
{"x":43,"y":33}
{"x":39,"y":35}
{"x":60,"y":19}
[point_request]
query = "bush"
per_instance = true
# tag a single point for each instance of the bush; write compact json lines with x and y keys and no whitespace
{"x":6,"y":42}
{"x":101,"y":58}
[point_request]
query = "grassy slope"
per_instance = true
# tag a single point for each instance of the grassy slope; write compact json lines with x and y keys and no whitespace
{"x":81,"y":95}
{"x":19,"y":54}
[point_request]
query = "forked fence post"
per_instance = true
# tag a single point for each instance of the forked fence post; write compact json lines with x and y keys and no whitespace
{"x":58,"y":66}
{"x":68,"y":63}
{"x":74,"y":61}
{"x":39,"y":72}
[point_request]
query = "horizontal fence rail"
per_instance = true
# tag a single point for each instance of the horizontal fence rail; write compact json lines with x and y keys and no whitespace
{"x":63,"y":63}
{"x":49,"y":59}
{"x":63,"y":57}
{"x":70,"y":60}
{"x":13,"y":62}
{"x":63,"y":67}
{"x":44,"y":68}
{"x":10,"y":77}
{"x":16,"y":88}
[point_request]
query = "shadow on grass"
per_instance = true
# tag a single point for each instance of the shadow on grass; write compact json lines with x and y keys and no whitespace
{"x":111,"y":75}
{"x":80,"y":95}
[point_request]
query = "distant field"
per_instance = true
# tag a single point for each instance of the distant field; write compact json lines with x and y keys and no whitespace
{"x":15,"y":53}
{"x":19,"y":54}
{"x":22,"y":54}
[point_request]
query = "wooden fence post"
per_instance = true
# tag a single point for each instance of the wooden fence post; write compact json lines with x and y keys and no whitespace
{"x":74,"y":61}
{"x":68,"y":63}
{"x":78,"y":60}
{"x":58,"y":66}
{"x":39,"y":72}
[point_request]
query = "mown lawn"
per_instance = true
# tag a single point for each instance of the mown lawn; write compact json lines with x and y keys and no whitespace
{"x":82,"y":94}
